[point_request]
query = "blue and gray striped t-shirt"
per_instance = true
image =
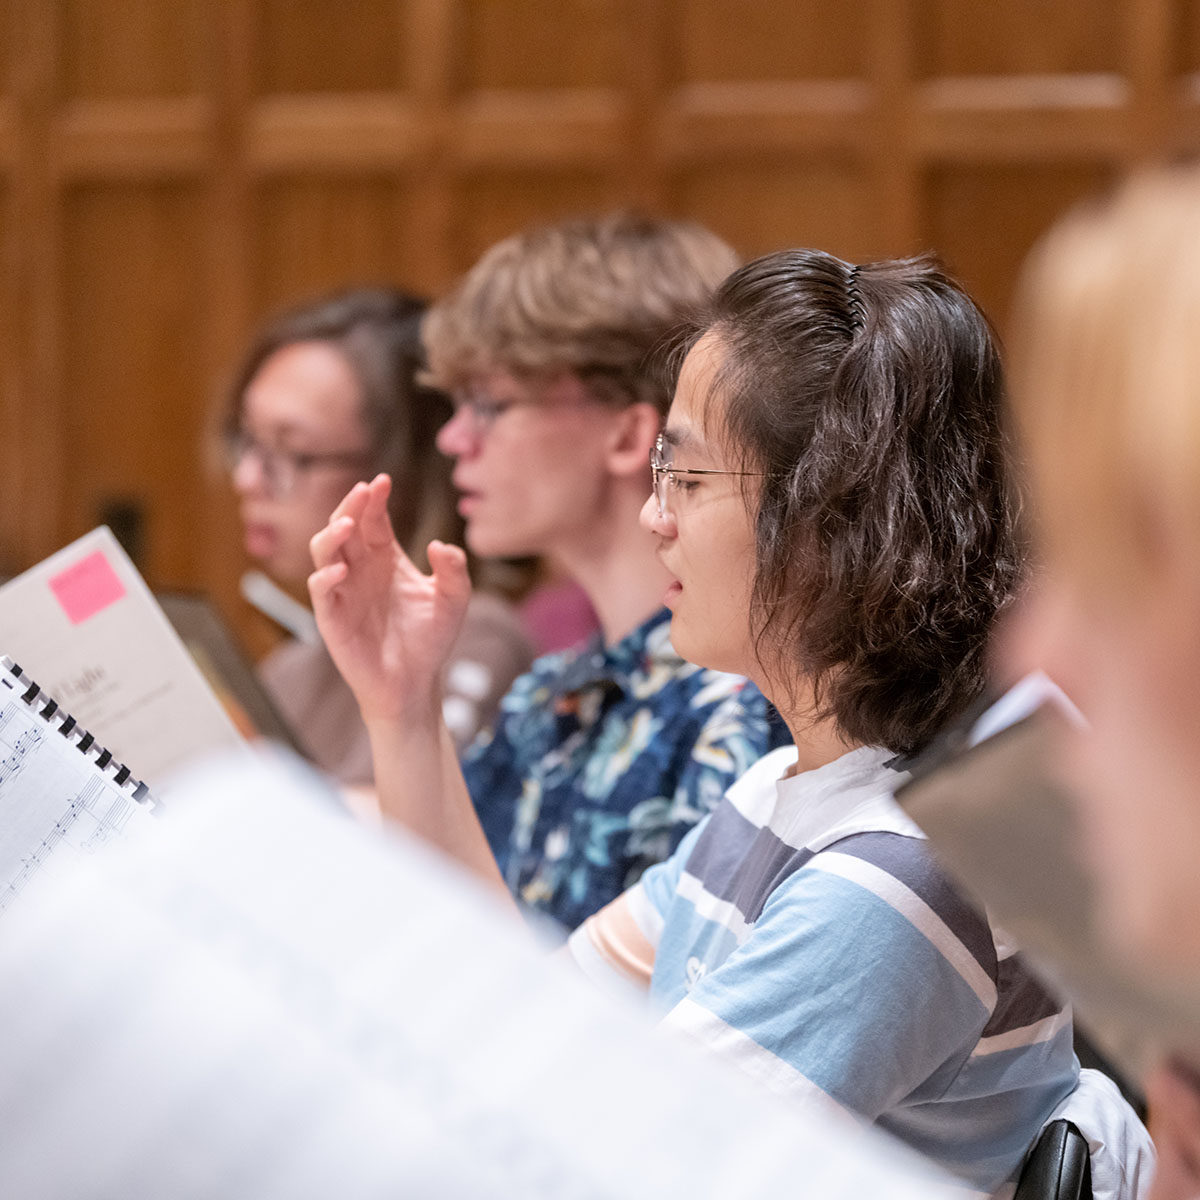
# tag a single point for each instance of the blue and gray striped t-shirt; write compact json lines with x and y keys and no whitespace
{"x":805,"y":932}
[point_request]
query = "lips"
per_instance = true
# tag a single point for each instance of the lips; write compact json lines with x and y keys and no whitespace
{"x":467,"y":503}
{"x":468,"y":498}
{"x":259,"y":538}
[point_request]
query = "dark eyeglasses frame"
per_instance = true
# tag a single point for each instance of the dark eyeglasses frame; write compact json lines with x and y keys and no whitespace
{"x":482,"y":411}
{"x":282,"y":469}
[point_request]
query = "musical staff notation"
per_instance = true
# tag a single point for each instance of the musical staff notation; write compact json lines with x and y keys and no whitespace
{"x":60,"y":796}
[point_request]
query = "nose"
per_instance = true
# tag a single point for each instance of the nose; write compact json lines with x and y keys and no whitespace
{"x":248,"y":475}
{"x":653,"y":521}
{"x":458,"y":437}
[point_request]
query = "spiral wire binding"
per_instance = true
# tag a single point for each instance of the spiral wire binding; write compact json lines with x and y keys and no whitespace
{"x":47,"y":708}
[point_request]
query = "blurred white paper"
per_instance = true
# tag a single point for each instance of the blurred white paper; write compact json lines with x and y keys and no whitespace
{"x":266,"y":1001}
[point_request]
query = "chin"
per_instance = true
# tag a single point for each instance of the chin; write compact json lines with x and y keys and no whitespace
{"x":288,"y":573}
{"x":705,"y":652}
{"x":496,"y":543}
{"x":687,"y":647}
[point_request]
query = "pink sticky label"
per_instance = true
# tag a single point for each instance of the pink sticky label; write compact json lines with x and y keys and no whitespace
{"x":86,"y":588}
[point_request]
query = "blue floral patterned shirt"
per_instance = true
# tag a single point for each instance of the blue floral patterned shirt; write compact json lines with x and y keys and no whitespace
{"x":602,"y":759}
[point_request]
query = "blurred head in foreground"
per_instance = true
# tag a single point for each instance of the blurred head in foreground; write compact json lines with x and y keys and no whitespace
{"x":1107,"y":396}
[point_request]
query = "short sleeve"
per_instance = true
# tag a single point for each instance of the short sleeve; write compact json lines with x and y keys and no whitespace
{"x":836,"y":990}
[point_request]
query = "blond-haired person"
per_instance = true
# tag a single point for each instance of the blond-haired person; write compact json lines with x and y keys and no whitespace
{"x":1107,"y":391}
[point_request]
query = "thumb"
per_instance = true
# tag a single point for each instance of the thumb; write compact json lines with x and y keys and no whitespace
{"x":449,"y":566}
{"x":376,"y":521}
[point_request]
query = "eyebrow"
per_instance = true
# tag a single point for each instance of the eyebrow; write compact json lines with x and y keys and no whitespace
{"x":679,"y":437}
{"x":284,"y":434}
{"x":690,"y":440}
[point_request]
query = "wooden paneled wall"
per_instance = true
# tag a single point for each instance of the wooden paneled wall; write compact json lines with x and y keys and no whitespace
{"x":170,"y":170}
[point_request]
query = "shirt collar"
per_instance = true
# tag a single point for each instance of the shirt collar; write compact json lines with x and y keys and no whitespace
{"x":851,"y":794}
{"x":616,"y":665}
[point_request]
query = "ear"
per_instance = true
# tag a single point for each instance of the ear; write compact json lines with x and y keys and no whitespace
{"x":632,"y":438}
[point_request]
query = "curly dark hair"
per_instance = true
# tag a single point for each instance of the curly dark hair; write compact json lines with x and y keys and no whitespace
{"x":886,"y":527}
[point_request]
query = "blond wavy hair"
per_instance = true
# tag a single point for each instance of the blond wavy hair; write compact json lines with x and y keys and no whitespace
{"x":592,"y":296}
{"x":1106,"y":384}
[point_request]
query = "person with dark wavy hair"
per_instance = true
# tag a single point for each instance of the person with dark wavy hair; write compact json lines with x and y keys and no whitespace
{"x":862,"y":404}
{"x":831,"y":504}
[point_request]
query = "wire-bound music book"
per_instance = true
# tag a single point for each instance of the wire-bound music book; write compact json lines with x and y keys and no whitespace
{"x":62,"y":794}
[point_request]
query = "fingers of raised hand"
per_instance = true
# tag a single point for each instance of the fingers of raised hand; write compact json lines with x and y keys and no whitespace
{"x":449,"y":566}
{"x":352,"y":503}
{"x":328,"y":545}
{"x":375,"y":519}
{"x":322,"y":582}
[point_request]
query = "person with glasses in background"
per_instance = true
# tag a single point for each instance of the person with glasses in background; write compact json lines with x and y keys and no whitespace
{"x":603,"y":757}
{"x":328,"y":394}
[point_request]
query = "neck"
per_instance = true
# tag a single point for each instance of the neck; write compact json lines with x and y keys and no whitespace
{"x":818,"y":740}
{"x":617,"y":567}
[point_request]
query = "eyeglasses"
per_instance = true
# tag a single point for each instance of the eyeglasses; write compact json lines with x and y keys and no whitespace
{"x":666,"y":476}
{"x":482,"y":410}
{"x":282,"y":469}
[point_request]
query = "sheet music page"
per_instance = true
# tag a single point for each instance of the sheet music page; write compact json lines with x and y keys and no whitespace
{"x":85,"y":626}
{"x":269,"y":1001}
{"x":54,"y":803}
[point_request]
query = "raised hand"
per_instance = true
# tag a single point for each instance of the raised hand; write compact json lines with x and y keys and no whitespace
{"x":388,"y":626}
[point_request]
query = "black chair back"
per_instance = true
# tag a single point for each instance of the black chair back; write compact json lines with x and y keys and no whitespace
{"x":1058,"y":1167}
